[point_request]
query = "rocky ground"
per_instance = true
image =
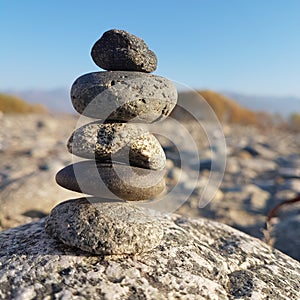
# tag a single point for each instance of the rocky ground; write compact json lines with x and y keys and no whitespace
{"x":195,"y":260}
{"x":263,"y":169}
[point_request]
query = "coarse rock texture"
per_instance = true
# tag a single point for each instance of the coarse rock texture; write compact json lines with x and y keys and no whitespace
{"x":287,"y":236}
{"x":18,"y":201}
{"x":104,"y":226}
{"x":122,"y":96}
{"x":196,"y":259}
{"x":112,"y":180}
{"x":121,"y":142}
{"x":123,"y":51}
{"x":32,"y":150}
{"x":284,"y":229}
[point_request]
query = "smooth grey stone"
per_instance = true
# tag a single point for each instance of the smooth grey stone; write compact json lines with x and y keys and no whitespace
{"x":121,"y":96}
{"x":292,"y":184}
{"x":103,"y":226}
{"x":289,"y":172}
{"x":111,"y":180}
{"x":258,"y":165}
{"x":121,"y":142}
{"x":258,"y":150}
{"x":121,"y":50}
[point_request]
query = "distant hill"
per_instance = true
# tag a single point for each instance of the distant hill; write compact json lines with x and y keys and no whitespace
{"x":58,"y":100}
{"x":284,"y":106}
{"x":12,"y":104}
{"x":225,"y":108}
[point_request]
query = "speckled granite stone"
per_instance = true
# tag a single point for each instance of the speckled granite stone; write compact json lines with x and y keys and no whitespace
{"x":104,"y":227}
{"x":195,"y":260}
{"x":121,"y":96}
{"x":122,"y":142}
{"x":121,"y":50}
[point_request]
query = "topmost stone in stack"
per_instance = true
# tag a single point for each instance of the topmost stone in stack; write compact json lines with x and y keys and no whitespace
{"x":118,"y":50}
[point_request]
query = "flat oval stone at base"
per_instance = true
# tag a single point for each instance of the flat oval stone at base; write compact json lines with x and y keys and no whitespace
{"x":112,"y":180}
{"x":104,"y":227}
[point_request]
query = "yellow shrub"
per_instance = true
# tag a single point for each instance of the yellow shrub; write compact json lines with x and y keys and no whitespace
{"x":12,"y":104}
{"x":227,"y":110}
{"x":295,"y":121}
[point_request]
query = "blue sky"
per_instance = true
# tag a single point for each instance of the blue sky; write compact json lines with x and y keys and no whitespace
{"x":249,"y":46}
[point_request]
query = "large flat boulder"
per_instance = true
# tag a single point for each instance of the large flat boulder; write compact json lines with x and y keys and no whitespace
{"x":197,"y":259}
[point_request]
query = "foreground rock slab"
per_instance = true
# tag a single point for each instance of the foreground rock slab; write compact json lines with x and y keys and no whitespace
{"x":196,"y":259}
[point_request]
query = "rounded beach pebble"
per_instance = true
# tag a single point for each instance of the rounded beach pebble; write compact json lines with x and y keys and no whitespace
{"x":122,"y":96}
{"x":104,"y":226}
{"x":120,"y":50}
{"x":121,"y":142}
{"x":112,"y":180}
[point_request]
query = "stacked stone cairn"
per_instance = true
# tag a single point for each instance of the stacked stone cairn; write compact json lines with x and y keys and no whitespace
{"x":125,"y":161}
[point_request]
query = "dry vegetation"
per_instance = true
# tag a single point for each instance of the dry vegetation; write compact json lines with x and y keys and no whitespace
{"x":294,"y":121}
{"x":12,"y":104}
{"x":228,"y":110}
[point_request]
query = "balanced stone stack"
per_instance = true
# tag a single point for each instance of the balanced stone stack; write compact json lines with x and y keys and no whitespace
{"x":125,"y":161}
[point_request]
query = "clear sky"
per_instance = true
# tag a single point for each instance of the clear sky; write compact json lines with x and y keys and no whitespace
{"x":249,"y":46}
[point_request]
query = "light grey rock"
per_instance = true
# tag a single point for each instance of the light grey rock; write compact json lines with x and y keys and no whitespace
{"x":287,"y":172}
{"x":122,"y":96}
{"x":290,"y":159}
{"x":256,"y":198}
{"x":104,"y":226}
{"x":121,"y":50}
{"x":266,"y":184}
{"x":293,"y":185}
{"x":286,"y":234}
{"x":121,"y":142}
{"x":283,"y":195}
{"x":175,"y":174}
{"x":249,"y":197}
{"x":112,"y":180}
{"x":196,"y":259}
{"x":258,"y":165}
{"x":232,"y":166}
{"x":28,"y":148}
{"x":243,"y":207}
{"x":30,"y":197}
{"x":261,"y":150}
